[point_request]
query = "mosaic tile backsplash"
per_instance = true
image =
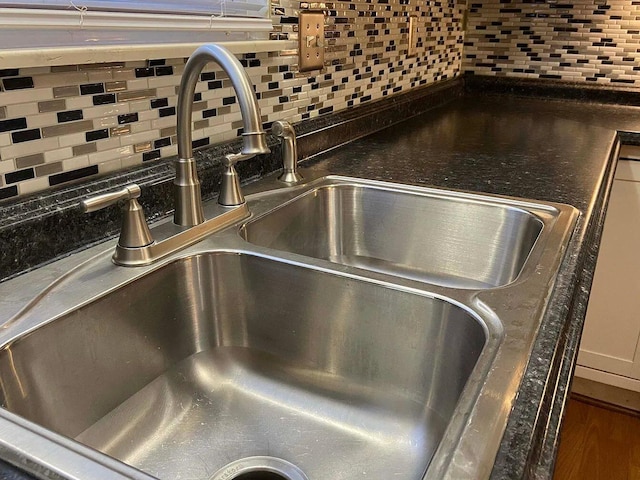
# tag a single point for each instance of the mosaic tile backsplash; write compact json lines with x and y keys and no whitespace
{"x":594,"y":41}
{"x":61,"y":124}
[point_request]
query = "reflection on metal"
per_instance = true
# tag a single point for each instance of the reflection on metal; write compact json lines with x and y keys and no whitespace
{"x":231,"y":349}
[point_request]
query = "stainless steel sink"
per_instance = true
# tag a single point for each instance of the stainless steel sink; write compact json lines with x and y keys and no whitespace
{"x":447,"y":239}
{"x":350,"y":329}
{"x":222,"y":356}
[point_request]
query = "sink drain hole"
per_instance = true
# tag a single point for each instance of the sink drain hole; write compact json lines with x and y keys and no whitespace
{"x":260,"y":468}
{"x":260,"y":476}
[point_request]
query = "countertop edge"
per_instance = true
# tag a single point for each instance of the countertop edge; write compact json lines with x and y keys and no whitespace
{"x":569,"y":339}
{"x":564,"y":320}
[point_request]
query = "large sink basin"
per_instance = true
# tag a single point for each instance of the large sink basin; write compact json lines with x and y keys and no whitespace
{"x":463,"y":241}
{"x":349,"y":329}
{"x":222,"y":356}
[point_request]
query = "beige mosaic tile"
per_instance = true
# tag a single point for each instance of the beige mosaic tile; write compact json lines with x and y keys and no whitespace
{"x":29,"y":161}
{"x":68,"y":91}
{"x":127,"y":107}
{"x":51,"y":106}
{"x":48,"y":169}
{"x":84,"y":149}
{"x":136,"y":95}
{"x":585,"y":41}
{"x":67,"y":128}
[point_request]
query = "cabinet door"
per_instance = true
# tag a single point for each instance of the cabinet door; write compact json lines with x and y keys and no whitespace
{"x":612,"y":328}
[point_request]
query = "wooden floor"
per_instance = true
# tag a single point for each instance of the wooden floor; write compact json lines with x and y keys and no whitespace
{"x":598,"y":444}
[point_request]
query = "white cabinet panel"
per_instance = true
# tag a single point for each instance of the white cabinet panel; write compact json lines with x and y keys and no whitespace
{"x":612,"y":329}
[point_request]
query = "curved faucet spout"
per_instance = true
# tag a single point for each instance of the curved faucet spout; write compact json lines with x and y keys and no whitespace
{"x":187,"y":186}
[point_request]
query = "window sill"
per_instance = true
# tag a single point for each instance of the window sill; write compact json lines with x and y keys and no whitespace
{"x":44,"y":57}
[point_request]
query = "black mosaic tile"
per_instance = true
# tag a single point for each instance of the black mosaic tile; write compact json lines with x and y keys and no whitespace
{"x":127,"y":118}
{"x":212,"y":112}
{"x":97,"y":135}
{"x":72,"y":175}
{"x":26,"y":135}
{"x":91,"y":88}
{"x":163,"y":71}
{"x":197,"y":97}
{"x":157,"y":63}
{"x":8,"y":192}
{"x":228,"y":100}
{"x":200,"y":143}
{"x":9,"y":72}
{"x":152,"y":155}
{"x":13,"y":124}
{"x":104,"y":99}
{"x":166,"y":112}
{"x":19,"y":175}
{"x":214,"y":85}
{"x":159,"y":103}
{"x":162,"y":142}
{"x":144,"y":72}
{"x":206,"y":76}
{"x":70,"y":116}
{"x":18,"y":83}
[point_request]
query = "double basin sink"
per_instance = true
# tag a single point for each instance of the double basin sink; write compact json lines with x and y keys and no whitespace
{"x":348,"y":329}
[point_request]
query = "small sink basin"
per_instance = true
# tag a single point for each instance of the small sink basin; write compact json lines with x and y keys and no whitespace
{"x":450,"y":239}
{"x":221,"y":355}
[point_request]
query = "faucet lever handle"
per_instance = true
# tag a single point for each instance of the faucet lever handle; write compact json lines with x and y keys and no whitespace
{"x":135,"y":231}
{"x":230,"y":192}
{"x":98,"y":202}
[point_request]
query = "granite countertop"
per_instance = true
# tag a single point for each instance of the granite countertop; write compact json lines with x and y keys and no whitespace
{"x":559,"y":151}
{"x":554,"y":150}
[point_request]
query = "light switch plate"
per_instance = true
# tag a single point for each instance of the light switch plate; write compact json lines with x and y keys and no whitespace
{"x":311,"y":41}
{"x":413,"y":36}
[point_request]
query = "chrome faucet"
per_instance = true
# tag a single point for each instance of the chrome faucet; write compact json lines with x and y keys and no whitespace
{"x":188,"y":200}
{"x":136,"y":246}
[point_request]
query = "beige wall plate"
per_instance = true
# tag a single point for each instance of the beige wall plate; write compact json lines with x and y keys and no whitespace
{"x":311,"y":41}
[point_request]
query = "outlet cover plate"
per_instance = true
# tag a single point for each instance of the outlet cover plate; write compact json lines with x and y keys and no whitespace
{"x":311,"y":41}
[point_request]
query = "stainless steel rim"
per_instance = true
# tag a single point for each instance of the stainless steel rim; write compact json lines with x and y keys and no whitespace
{"x":259,"y":464}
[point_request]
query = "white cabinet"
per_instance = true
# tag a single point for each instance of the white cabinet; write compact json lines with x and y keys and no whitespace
{"x":610,"y":346}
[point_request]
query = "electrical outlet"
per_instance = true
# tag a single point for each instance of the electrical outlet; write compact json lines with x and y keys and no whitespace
{"x":412,"y":50}
{"x":311,"y":41}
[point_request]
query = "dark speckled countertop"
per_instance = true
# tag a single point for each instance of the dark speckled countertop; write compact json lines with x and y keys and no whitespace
{"x":550,"y":150}
{"x":559,"y":151}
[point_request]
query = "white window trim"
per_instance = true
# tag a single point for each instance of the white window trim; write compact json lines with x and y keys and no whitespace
{"x":98,"y":36}
{"x":50,"y":57}
{"x":94,"y":19}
